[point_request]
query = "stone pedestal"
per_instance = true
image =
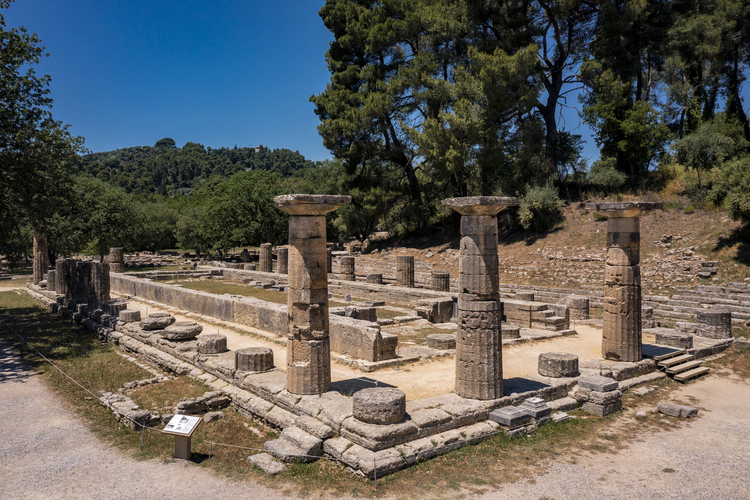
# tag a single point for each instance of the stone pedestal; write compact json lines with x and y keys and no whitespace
{"x":41,"y":257}
{"x":441,"y":281}
{"x":266,"y":258}
{"x":282,"y":260}
{"x":621,"y":336}
{"x":308,"y":346}
{"x":116,"y":260}
{"x":347,"y":268}
{"x":479,"y":370}
{"x":405,"y":270}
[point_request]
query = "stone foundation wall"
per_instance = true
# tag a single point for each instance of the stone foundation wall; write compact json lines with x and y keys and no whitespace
{"x":355,"y":338}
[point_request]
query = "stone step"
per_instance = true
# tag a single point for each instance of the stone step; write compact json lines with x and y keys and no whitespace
{"x":286,"y":451}
{"x":267,"y":463}
{"x":684,"y":367}
{"x":676,"y":360}
{"x":309,"y":444}
{"x":659,"y":352}
{"x":696,"y":372}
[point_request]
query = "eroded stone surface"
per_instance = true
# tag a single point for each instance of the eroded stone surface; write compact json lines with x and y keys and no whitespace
{"x":379,"y":405}
{"x":212,"y":343}
{"x":158,"y":321}
{"x":558,"y":364}
{"x":180,"y":330}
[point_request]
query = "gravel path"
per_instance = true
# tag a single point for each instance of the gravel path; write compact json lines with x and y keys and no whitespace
{"x":47,"y":453}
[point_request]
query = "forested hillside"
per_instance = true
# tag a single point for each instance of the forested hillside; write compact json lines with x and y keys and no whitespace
{"x":166,"y":169}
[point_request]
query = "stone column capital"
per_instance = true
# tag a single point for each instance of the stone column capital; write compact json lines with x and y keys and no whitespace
{"x":623,"y":208}
{"x":479,"y":205}
{"x":310,"y":204}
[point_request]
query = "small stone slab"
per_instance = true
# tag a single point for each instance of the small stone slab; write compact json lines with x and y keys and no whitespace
{"x":510,"y":416}
{"x":560,"y":416}
{"x":157,"y":321}
{"x":181,"y":330}
{"x":675,"y":410}
{"x":375,"y":303}
{"x":379,"y":405}
{"x":597,"y":383}
{"x":267,"y":463}
{"x":602,"y":410}
{"x":212,"y":343}
{"x":213,"y":415}
{"x":536,"y":407}
{"x":441,"y":341}
{"x":558,"y":365}
{"x":510,"y":332}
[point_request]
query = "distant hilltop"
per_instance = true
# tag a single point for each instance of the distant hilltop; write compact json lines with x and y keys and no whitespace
{"x":166,"y":169}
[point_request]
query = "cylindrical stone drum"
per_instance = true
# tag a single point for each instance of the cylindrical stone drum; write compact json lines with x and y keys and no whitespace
{"x":329,"y":260}
{"x":375,"y":278}
{"x":116,"y":260}
{"x":715,"y":324}
{"x":379,"y":405}
{"x":347,"y":268}
{"x":441,"y":281}
{"x":266,"y":262}
{"x":282,"y":260}
{"x":558,"y":365}
{"x":212,"y":343}
{"x":405,"y":271}
{"x":253,"y":359}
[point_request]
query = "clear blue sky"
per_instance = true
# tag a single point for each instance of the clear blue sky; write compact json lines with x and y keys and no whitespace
{"x":221,"y":73}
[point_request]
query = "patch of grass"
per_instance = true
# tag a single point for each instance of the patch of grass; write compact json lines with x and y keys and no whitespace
{"x":162,"y":397}
{"x":419,"y":335}
{"x":668,"y":470}
{"x":140,"y":269}
{"x":233,"y":288}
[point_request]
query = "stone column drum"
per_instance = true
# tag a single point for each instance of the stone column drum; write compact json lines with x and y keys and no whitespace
{"x":116,"y":260}
{"x":329,"y":260}
{"x":282,"y":260}
{"x":41,"y":257}
{"x":266,"y":258}
{"x":308,"y":345}
{"x":441,"y":281}
{"x":622,"y":332}
{"x":347,"y":268}
{"x":479,"y":366}
{"x":405,"y":270}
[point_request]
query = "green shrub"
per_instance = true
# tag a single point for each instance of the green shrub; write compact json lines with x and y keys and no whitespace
{"x":603,"y":175}
{"x":600,"y":217}
{"x":540,"y":208}
{"x":689,"y":210}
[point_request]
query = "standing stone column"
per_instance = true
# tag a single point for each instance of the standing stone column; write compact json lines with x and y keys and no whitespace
{"x":308,"y":345}
{"x":622,"y":332}
{"x":347,"y":268}
{"x":266,"y":258}
{"x":41,"y":257}
{"x":479,"y":365}
{"x":441,"y":281}
{"x":51,"y":280}
{"x":329,"y":260}
{"x":405,"y":270}
{"x":116,"y":260}
{"x":282,"y":260}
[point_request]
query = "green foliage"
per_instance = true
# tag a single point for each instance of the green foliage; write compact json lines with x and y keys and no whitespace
{"x":540,"y":209}
{"x":604,"y":175}
{"x":165,"y":143}
{"x":158,"y":229}
{"x":600,"y":217}
{"x":732,"y":188}
{"x":37,"y":154}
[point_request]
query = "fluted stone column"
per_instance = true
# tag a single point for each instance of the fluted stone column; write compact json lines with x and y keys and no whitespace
{"x":266,"y":258}
{"x":441,"y":281}
{"x":479,"y":366}
{"x":41,"y":257}
{"x":622,"y":332}
{"x":116,"y":260}
{"x":308,"y":346}
{"x":405,"y":270}
{"x":282,"y":260}
{"x":347,"y":268}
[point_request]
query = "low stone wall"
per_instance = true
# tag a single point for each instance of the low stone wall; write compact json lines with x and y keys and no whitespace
{"x":390,"y":293}
{"x":355,"y":338}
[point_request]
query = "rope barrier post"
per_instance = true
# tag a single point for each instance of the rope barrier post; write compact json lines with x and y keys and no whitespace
{"x":143,"y":434}
{"x":375,"y":472}
{"x":210,"y":448}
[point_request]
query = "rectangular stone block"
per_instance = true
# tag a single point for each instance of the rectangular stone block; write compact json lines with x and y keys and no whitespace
{"x":624,"y":225}
{"x":510,"y":416}
{"x":605,"y":398}
{"x":598,"y":383}
{"x":623,"y":239}
{"x":306,"y":227}
{"x":479,"y":226}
